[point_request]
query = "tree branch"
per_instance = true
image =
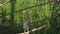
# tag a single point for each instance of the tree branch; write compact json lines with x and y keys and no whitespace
{"x":3,"y":3}
{"x":33,"y":30}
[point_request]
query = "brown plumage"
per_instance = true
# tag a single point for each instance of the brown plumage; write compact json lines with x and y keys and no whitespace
{"x":26,"y":24}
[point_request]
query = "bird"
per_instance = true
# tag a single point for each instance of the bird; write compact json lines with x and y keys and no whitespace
{"x":26,"y":24}
{"x":58,"y":2}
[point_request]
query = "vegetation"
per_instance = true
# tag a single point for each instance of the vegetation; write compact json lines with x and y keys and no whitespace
{"x":12,"y":19}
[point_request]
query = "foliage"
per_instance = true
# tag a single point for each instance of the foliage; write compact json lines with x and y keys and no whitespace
{"x":36,"y":13}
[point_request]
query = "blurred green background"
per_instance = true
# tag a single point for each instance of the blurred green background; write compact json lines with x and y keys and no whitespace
{"x":11,"y":21}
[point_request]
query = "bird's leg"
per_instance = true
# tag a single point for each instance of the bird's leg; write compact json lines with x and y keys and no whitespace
{"x":24,"y":30}
{"x":27,"y":29}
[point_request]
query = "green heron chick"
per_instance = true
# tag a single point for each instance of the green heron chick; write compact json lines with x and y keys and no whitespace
{"x":26,"y":24}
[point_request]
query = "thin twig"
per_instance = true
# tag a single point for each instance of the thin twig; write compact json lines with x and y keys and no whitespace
{"x":52,"y":17}
{"x":1,"y":4}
